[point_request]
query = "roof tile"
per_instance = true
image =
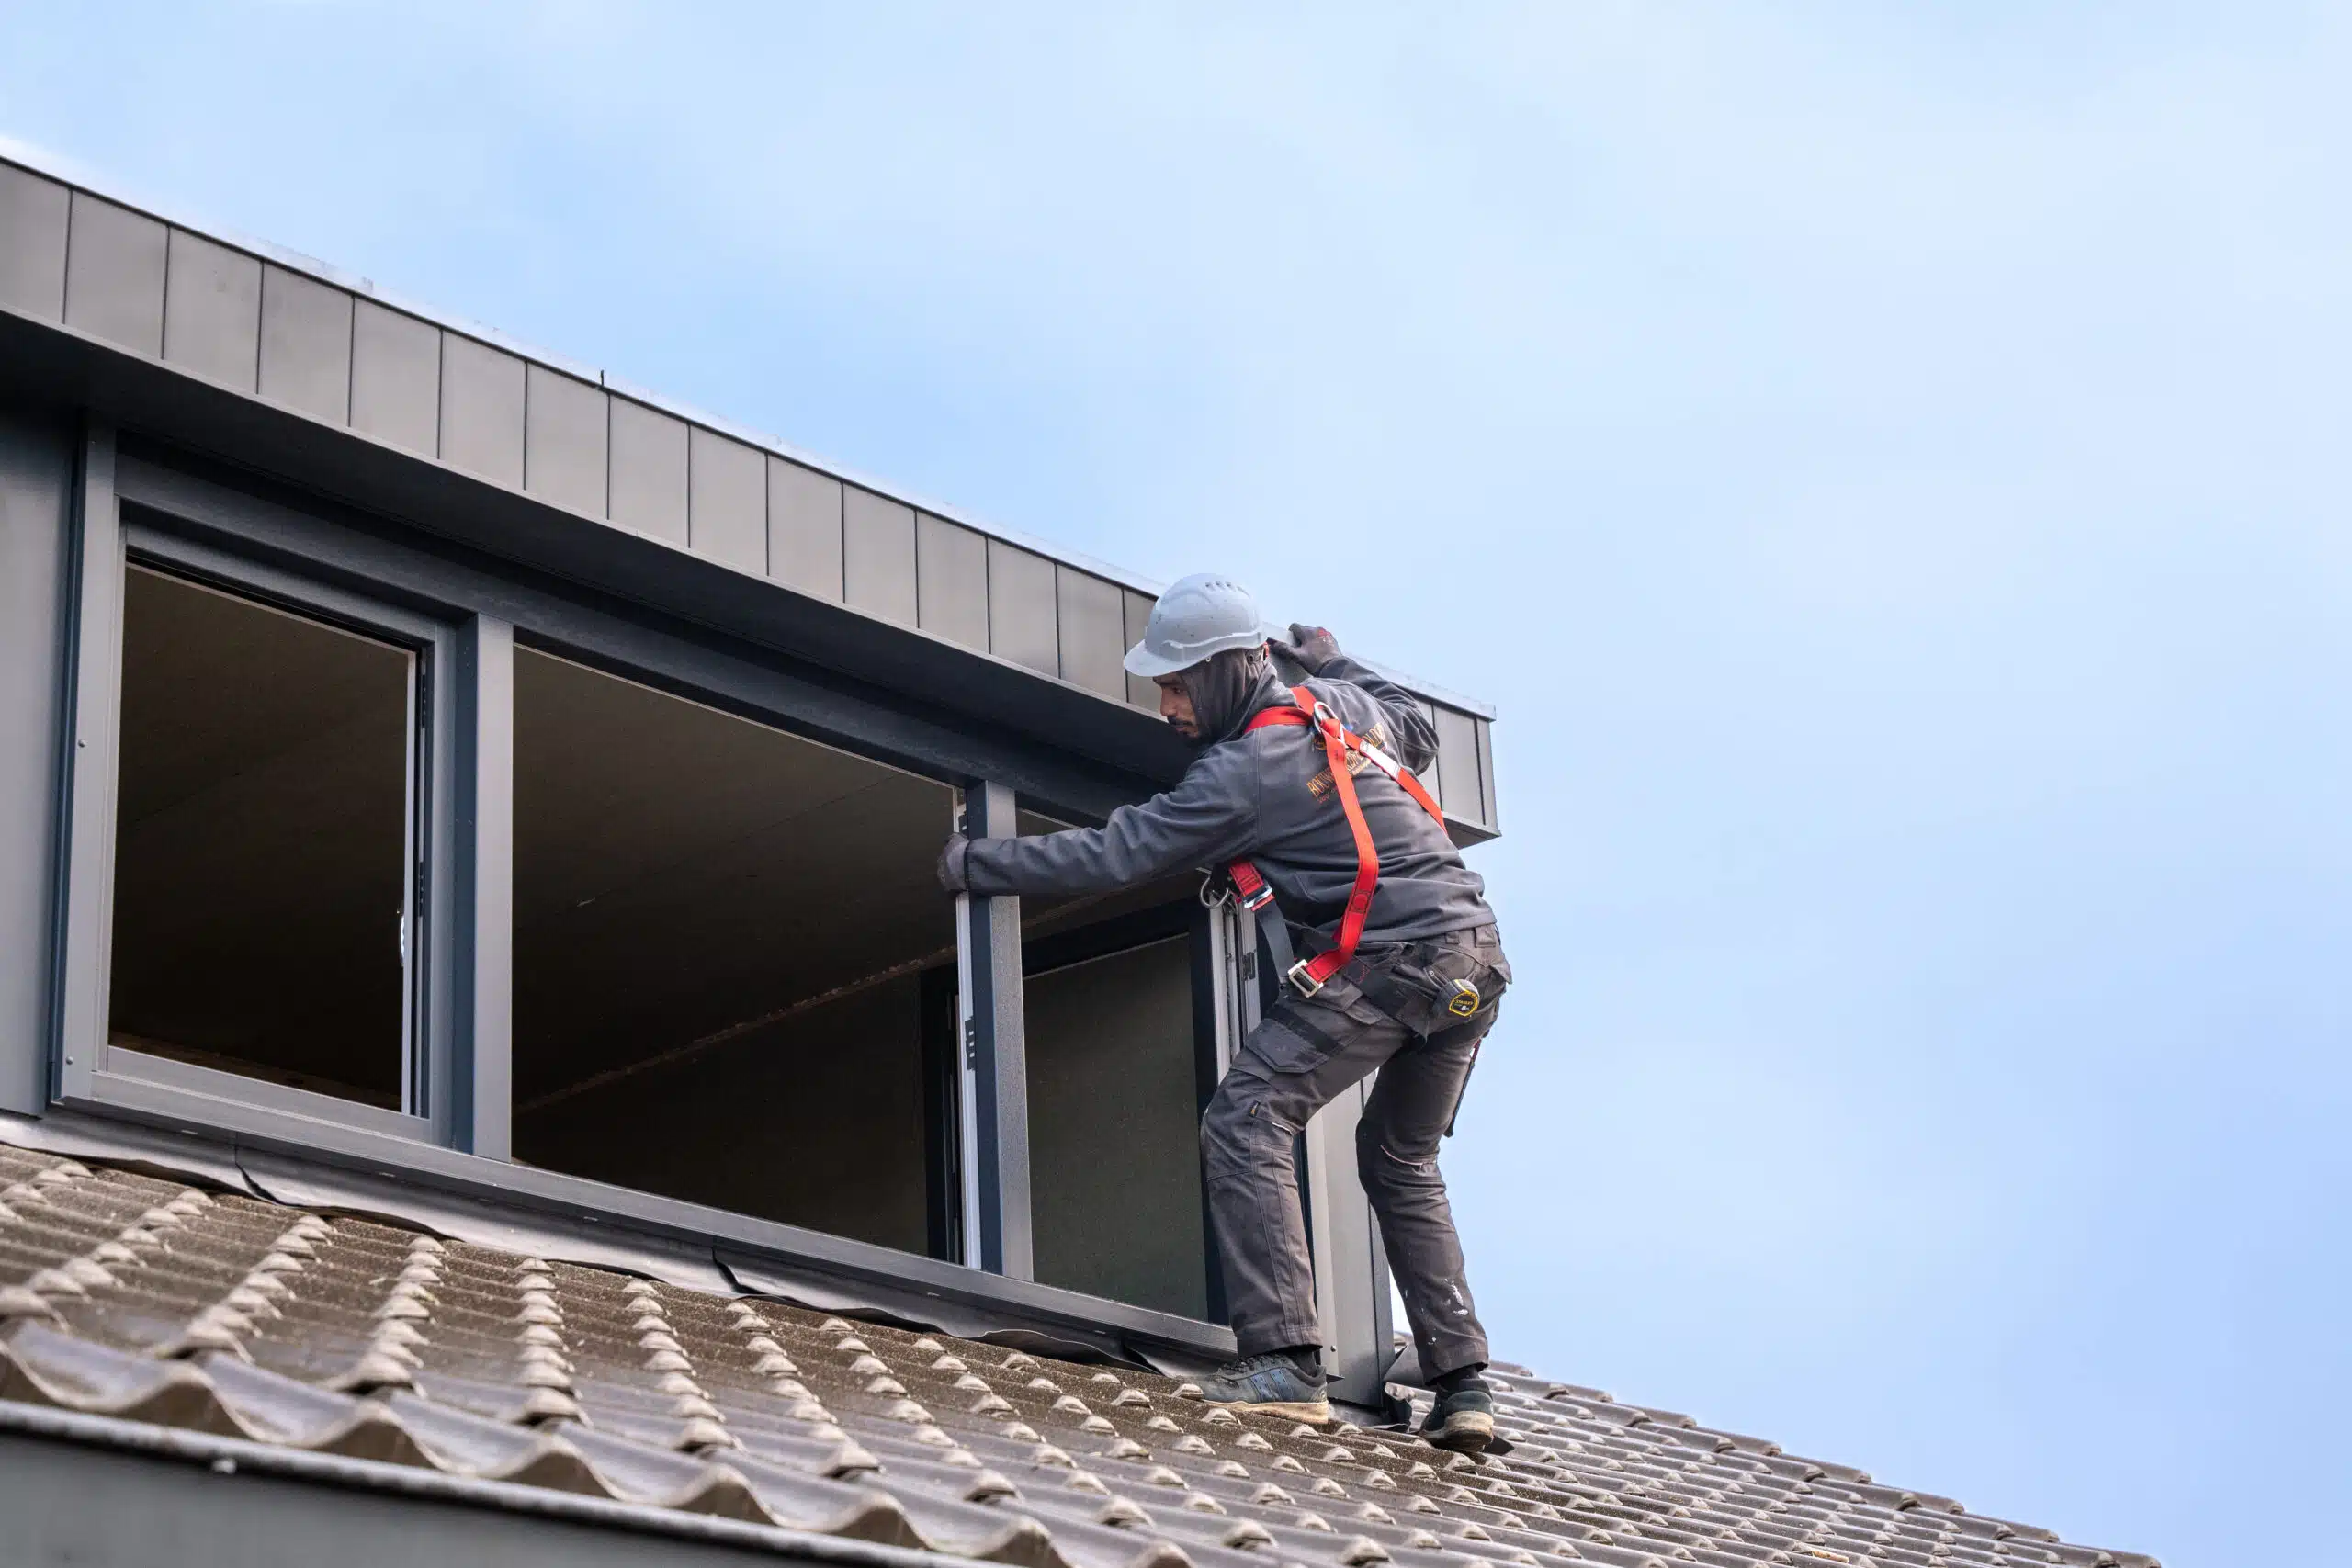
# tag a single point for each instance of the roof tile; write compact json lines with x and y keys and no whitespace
{"x":127,"y":1296}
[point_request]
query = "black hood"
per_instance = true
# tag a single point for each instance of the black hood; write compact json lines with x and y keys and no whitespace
{"x":1226,"y":688}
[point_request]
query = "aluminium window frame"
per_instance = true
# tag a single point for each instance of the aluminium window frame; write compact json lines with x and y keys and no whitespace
{"x":114,"y":537}
{"x":484,"y":604}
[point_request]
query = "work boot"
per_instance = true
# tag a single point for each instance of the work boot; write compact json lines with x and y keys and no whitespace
{"x":1463,"y":1419}
{"x":1276,"y":1382}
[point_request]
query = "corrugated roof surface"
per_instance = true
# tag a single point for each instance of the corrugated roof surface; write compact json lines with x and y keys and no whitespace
{"x":124,"y":1295}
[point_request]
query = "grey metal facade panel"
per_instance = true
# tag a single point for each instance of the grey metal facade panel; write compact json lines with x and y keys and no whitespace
{"x":1493,"y":818}
{"x":1092,"y":631}
{"x":727,"y":509}
{"x":305,"y":345}
{"x":648,"y":471}
{"x":395,"y":377}
{"x":1141,"y":691}
{"x":565,"y":427}
{"x":32,"y":243}
{"x":951,"y":581}
{"x":212,"y":310}
{"x":482,"y":410}
{"x":1457,"y":751}
{"x":1020,"y":608}
{"x":114,"y":275}
{"x":805,"y":529}
{"x":879,"y":556}
{"x":31,"y":171}
{"x":36,"y":491}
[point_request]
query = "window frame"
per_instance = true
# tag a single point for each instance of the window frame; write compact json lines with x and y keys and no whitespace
{"x":118,"y":536}
{"x":386,"y":577}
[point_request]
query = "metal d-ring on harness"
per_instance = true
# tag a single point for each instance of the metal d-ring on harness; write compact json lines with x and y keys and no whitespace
{"x":1308,"y":975}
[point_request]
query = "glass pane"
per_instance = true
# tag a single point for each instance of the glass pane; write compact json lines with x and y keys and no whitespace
{"x":725,"y":937}
{"x":262,"y":841}
{"x":1113,"y":1118}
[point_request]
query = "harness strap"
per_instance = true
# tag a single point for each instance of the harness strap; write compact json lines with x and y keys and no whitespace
{"x":1249,"y":884}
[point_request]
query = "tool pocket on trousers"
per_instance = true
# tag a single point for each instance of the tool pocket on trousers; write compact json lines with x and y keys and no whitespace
{"x":1303,"y":1033}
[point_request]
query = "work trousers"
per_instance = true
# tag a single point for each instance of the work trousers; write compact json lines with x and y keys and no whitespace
{"x":1301,"y":1056}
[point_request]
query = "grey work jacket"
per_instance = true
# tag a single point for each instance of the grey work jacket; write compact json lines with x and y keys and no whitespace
{"x":1266,"y":796}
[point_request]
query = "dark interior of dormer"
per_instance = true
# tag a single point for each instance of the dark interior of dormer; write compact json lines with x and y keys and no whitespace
{"x":733,"y":967}
{"x":262,"y":828}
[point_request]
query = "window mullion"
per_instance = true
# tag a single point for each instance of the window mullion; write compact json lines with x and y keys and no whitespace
{"x":996,"y":1072}
{"x":480,"y":1059}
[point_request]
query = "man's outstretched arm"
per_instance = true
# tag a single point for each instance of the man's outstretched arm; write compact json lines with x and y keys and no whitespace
{"x":1206,"y":820}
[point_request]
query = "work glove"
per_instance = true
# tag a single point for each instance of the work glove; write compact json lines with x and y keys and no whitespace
{"x":951,"y":864}
{"x":1311,"y":648}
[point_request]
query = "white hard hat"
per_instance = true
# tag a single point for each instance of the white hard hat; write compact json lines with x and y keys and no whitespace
{"x":1200,"y":614}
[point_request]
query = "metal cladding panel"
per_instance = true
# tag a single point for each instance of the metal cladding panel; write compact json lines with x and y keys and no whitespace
{"x":564,"y":430}
{"x":305,"y":345}
{"x":1093,"y":632}
{"x":1457,"y":752}
{"x":1434,"y":774}
{"x":805,"y":529}
{"x":1020,"y":608}
{"x":32,"y":243}
{"x":114,"y":275}
{"x":482,"y":410}
{"x":1141,"y":691}
{"x":879,"y":556}
{"x":648,"y":471}
{"x":727,"y":509}
{"x":952,"y":580}
{"x":395,"y":377}
{"x":212,"y":310}
{"x":35,"y":498}
{"x":1493,"y":819}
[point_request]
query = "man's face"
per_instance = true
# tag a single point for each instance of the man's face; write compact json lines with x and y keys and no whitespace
{"x":1176,"y":705}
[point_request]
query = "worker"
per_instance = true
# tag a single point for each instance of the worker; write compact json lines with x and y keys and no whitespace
{"x":1406,"y":982}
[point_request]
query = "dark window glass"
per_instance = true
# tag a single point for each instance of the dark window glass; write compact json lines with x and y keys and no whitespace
{"x":1114,"y":1116}
{"x":1122,"y":1051}
{"x":262,"y":841}
{"x":725,"y":939}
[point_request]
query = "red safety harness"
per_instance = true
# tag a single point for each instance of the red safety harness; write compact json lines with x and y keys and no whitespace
{"x":1312,"y":712}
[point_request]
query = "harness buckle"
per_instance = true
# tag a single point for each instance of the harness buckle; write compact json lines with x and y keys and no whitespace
{"x":1256,"y":901}
{"x":1306,"y":984}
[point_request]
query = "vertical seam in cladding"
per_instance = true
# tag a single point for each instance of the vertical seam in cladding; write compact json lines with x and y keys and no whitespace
{"x":350,"y":358}
{"x":767,"y":511}
{"x":261,"y":315}
{"x":440,"y":389}
{"x":690,"y":489}
{"x":163,"y":317}
{"x":65,"y":284}
{"x":524,"y":484}
{"x":841,"y":534}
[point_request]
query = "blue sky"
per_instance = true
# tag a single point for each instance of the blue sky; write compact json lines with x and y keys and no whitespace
{"x":1887,"y":464}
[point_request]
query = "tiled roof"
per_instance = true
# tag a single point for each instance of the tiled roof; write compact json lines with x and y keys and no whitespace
{"x":126,"y":1296}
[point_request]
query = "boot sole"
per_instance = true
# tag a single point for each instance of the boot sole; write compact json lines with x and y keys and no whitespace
{"x":1464,"y":1432}
{"x":1318,"y":1413}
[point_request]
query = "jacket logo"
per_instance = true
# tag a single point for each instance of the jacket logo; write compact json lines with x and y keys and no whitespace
{"x":1320,"y":784}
